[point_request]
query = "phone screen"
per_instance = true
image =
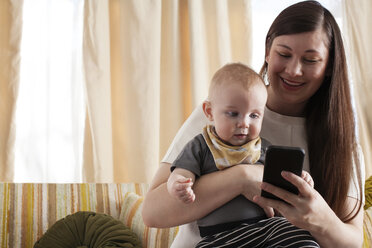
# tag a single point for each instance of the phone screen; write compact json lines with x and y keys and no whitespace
{"x":277,"y":159}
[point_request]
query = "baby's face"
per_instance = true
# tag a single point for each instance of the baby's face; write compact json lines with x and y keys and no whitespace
{"x":237,"y":112}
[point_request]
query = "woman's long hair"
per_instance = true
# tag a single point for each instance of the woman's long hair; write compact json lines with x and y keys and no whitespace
{"x":330,"y":122}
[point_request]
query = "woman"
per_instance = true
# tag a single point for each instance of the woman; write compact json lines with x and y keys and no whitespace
{"x":309,"y":105}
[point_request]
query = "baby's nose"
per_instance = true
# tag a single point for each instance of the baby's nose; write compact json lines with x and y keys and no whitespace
{"x":244,"y":122}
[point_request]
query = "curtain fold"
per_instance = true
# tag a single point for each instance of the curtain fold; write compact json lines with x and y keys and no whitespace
{"x":161,"y":56}
{"x":98,"y":159}
{"x":359,"y":43}
{"x":10,"y":37}
{"x":135,"y":70}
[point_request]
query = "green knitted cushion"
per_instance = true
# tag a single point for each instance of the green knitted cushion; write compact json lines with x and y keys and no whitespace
{"x":88,"y":230}
{"x":368,"y":193}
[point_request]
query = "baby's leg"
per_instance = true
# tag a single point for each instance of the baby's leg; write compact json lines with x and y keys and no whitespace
{"x":272,"y":232}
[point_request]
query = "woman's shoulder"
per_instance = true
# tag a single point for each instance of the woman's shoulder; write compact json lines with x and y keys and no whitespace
{"x":191,"y":127}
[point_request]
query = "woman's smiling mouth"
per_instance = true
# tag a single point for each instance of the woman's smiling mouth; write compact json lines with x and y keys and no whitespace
{"x":291,"y":85}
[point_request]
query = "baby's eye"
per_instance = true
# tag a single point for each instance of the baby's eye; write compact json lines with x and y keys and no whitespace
{"x":254,"y":116}
{"x":232,"y":113}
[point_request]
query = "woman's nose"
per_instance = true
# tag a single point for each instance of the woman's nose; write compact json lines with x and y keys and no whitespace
{"x":294,"y":68}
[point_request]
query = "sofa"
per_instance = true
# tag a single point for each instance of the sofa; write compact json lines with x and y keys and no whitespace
{"x":28,"y":210}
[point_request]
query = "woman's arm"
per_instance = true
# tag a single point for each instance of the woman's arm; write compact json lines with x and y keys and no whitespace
{"x":309,"y":211}
{"x":211,"y":190}
{"x":335,"y":233}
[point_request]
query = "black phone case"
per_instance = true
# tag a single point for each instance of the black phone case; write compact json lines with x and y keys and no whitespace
{"x":277,"y":159}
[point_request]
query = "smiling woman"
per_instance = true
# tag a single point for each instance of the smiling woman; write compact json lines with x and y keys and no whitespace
{"x":325,"y":128}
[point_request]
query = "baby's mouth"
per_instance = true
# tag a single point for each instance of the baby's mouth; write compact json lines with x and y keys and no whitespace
{"x":240,"y":136}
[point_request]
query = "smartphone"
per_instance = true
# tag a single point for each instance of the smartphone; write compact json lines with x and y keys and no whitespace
{"x":277,"y":159}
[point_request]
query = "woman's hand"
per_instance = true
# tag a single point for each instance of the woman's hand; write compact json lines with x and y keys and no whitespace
{"x":252,"y":177}
{"x":308,"y":210}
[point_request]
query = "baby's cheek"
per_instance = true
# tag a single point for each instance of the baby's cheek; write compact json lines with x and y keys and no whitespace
{"x":254,"y":133}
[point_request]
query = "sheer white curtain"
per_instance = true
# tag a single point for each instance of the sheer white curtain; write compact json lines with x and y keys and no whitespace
{"x":50,"y":110}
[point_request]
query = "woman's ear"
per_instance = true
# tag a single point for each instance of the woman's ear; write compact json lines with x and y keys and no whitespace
{"x":267,"y":50}
{"x":267,"y":56}
{"x":207,"y":108}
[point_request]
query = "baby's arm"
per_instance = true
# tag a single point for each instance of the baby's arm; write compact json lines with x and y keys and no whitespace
{"x":179,"y":185}
{"x":306,"y":176}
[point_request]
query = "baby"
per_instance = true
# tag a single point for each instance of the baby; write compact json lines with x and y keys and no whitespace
{"x":235,"y":109}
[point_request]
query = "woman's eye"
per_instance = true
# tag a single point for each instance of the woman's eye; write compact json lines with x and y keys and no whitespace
{"x":232,"y":113}
{"x":311,"y":61}
{"x":284,"y":55}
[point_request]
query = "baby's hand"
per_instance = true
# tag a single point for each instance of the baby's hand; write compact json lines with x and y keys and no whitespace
{"x":306,"y":176}
{"x":181,"y":188}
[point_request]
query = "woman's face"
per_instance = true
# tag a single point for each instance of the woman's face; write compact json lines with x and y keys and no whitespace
{"x":296,"y":68}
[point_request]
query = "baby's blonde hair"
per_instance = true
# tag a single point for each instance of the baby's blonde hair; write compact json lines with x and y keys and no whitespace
{"x":234,"y":73}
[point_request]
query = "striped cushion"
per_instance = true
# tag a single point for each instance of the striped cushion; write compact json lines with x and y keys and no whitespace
{"x":367,"y":227}
{"x":28,"y":210}
{"x":150,"y":237}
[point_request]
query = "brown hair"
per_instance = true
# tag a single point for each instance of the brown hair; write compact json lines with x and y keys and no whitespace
{"x":235,"y":73}
{"x":330,"y":125}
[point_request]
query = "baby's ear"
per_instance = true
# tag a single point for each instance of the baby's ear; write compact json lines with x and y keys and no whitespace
{"x":207,"y":108}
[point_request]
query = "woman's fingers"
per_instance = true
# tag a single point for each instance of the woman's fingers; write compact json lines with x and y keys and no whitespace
{"x":279,"y":206}
{"x":303,"y":187}
{"x":279,"y":192}
{"x":305,"y":190}
{"x":269,"y":211}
